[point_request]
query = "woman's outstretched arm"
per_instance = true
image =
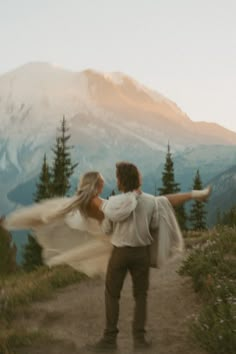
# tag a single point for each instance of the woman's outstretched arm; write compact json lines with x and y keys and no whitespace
{"x":181,"y":198}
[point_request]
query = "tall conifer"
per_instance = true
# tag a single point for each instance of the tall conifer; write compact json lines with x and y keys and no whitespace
{"x":52,"y":182}
{"x":169,"y":186}
{"x":43,"y":187}
{"x":62,"y":168}
{"x":32,"y":251}
{"x":229,"y":217}
{"x":168,"y":177}
{"x":32,"y":254}
{"x":197,"y":216}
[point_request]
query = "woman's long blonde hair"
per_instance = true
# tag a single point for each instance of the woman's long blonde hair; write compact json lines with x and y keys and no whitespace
{"x":88,"y":188}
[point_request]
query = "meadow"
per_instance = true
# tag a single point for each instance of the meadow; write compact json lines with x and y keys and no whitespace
{"x":210,"y":262}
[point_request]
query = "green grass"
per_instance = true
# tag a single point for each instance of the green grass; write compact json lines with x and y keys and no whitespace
{"x":11,"y":340}
{"x":212,"y":266}
{"x":24,"y":288}
{"x":19,"y":291}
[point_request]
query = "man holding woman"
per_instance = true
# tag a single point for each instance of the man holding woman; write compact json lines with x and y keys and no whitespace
{"x":135,"y":223}
{"x":132,"y":239}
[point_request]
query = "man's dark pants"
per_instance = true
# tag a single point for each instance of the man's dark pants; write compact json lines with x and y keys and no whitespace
{"x":136,"y":260}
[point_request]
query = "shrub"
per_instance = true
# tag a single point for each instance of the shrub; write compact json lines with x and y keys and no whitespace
{"x":212,"y":266}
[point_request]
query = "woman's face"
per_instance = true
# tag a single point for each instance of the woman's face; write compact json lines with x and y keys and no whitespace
{"x":100,"y":184}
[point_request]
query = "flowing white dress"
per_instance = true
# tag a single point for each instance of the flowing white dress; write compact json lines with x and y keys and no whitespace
{"x":79,"y":241}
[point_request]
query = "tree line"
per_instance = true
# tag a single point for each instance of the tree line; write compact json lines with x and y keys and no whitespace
{"x":54,"y":181}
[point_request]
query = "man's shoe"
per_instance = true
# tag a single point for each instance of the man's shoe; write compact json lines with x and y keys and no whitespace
{"x":142,"y":344}
{"x":103,"y":345}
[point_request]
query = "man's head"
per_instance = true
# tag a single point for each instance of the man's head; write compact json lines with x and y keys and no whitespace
{"x":128,"y":176}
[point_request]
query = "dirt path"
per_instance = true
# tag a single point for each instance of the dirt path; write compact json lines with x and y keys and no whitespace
{"x":76,"y":316}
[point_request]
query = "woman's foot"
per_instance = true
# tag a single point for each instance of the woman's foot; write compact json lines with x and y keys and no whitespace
{"x":202,"y":195}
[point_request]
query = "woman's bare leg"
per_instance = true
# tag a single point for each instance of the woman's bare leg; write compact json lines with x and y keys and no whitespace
{"x":181,"y":198}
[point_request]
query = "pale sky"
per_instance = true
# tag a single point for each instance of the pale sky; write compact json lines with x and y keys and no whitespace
{"x":184,"y":49}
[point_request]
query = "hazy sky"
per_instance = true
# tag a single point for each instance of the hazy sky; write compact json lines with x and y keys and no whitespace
{"x":184,"y":49}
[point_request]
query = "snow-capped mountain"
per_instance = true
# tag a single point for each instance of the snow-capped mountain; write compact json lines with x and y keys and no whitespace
{"x":111,"y":117}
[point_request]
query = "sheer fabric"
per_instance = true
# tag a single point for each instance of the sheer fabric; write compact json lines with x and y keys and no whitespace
{"x":79,"y":241}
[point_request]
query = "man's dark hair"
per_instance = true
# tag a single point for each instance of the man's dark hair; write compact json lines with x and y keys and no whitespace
{"x":128,"y":176}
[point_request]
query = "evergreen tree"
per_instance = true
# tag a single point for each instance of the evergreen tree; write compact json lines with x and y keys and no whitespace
{"x":62,"y":168}
{"x":49,"y":185}
{"x":197,"y":212}
{"x":43,"y":187}
{"x":228,"y":218}
{"x":168,"y":178}
{"x":181,"y":216}
{"x":32,"y":254}
{"x":7,"y":253}
{"x":32,"y":251}
{"x":169,"y":186}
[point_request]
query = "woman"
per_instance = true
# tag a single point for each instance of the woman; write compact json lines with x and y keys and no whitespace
{"x":69,"y":230}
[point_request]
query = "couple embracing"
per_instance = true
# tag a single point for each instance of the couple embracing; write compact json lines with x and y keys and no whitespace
{"x":136,"y":231}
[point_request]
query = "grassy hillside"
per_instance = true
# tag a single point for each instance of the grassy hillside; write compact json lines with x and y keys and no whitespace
{"x":18,"y":291}
{"x":212,"y":266}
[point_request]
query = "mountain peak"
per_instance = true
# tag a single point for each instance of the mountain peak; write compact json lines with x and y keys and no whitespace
{"x":41,"y":89}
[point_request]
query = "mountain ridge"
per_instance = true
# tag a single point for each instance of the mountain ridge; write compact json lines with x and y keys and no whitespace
{"x":111,"y":117}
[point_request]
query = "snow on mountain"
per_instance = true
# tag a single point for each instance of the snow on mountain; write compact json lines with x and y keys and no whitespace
{"x":110,"y":115}
{"x":34,"y":97}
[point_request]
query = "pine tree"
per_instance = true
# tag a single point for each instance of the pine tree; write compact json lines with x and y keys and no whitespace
{"x":168,"y":177}
{"x":7,"y":253}
{"x":55,"y":183}
{"x":181,"y":216}
{"x":169,"y":186}
{"x":197,"y":212}
{"x":62,"y":166}
{"x":43,"y":187}
{"x":32,"y":251}
{"x":32,"y":255}
{"x":229,"y":217}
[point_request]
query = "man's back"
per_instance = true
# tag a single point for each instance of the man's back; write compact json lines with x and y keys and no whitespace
{"x":134,"y":231}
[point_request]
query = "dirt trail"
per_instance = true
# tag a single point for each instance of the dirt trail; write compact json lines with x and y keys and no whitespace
{"x":76,"y":315}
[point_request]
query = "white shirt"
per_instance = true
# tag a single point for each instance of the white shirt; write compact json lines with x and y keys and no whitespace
{"x":135,"y":229}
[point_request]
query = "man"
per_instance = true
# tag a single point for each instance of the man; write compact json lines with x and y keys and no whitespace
{"x":132,"y":237}
{"x":131,"y":240}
